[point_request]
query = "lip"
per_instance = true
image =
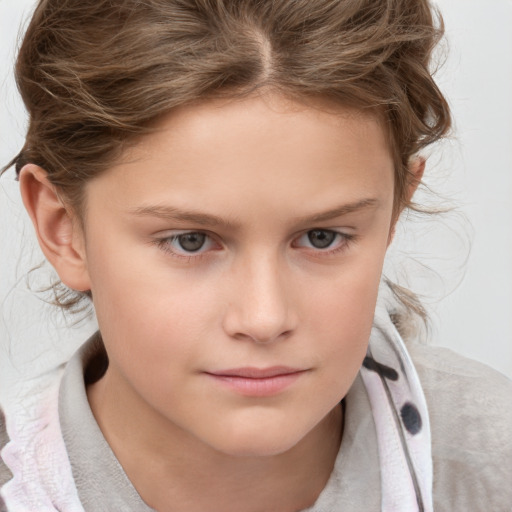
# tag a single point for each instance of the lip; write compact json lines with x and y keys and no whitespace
{"x":257,"y":382}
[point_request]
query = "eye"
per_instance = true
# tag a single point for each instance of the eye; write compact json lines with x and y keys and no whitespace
{"x":186,"y":244}
{"x":191,"y":242}
{"x":323,"y":239}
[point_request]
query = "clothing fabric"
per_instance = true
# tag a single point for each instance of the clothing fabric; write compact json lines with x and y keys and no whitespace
{"x":401,"y":418}
{"x":5,"y":474}
{"x":36,"y":454}
{"x":470,"y":409}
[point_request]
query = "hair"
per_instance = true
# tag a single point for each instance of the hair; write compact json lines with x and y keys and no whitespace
{"x":95,"y":75}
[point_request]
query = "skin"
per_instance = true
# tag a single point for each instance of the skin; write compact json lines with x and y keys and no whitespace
{"x":258,"y":293}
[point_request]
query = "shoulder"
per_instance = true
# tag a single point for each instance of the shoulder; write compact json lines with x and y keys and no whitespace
{"x":470,"y":409}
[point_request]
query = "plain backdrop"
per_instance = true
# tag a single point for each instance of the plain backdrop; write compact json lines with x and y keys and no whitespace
{"x":460,"y":263}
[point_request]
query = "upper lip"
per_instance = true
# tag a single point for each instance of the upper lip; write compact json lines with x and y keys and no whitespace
{"x":250,"y":372}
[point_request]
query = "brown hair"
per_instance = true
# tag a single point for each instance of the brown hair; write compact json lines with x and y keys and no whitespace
{"x":94,"y":74}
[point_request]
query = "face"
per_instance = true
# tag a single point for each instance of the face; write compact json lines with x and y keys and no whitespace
{"x":234,"y":258}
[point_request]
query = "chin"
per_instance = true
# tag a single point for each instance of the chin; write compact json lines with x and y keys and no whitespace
{"x":252,"y":449}
{"x":259,"y":444}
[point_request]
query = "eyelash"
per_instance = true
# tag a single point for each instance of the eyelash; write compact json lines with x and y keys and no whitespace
{"x":165,"y":244}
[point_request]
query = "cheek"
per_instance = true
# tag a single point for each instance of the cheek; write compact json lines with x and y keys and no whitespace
{"x":342,"y":311}
{"x":137,"y":301}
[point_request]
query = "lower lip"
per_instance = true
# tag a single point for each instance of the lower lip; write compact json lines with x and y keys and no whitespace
{"x":268,"y":386}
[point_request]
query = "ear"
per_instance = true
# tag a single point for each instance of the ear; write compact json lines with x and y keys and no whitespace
{"x":60,"y":237}
{"x":416,"y":169}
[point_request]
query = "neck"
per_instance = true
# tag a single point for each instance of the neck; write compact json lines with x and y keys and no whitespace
{"x":173,"y":470}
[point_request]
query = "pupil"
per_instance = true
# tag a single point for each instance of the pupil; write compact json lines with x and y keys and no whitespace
{"x":191,"y":241}
{"x":320,"y":238}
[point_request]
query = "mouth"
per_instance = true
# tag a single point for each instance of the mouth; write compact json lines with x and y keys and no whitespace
{"x":257,"y":382}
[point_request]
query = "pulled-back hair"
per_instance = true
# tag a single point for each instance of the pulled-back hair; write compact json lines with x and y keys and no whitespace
{"x":95,"y":74}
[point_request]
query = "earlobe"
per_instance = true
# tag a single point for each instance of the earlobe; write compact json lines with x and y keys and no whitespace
{"x":57,"y":234}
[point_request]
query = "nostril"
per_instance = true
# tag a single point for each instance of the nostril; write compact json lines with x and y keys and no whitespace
{"x":263,"y":338}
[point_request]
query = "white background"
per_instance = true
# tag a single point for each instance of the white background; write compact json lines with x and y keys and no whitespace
{"x":473,"y":171}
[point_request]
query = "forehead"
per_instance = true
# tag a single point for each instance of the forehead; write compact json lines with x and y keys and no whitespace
{"x":245,"y":153}
{"x":246,"y":117}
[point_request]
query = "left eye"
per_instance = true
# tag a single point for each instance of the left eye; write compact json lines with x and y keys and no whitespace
{"x":320,"y":239}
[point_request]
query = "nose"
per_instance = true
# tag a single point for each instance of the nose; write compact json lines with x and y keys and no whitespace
{"x":260,"y":304}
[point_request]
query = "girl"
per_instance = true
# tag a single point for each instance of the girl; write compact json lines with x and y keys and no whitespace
{"x":222,"y":179}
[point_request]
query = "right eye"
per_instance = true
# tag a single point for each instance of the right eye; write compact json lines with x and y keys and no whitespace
{"x":321,"y":238}
{"x":188,"y":243}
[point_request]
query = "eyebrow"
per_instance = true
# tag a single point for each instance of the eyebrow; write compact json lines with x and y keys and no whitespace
{"x":339,"y":211}
{"x":171,"y":213}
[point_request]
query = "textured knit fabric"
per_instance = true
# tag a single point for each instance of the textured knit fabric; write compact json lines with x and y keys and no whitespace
{"x":470,"y":409}
{"x":471,"y":423}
